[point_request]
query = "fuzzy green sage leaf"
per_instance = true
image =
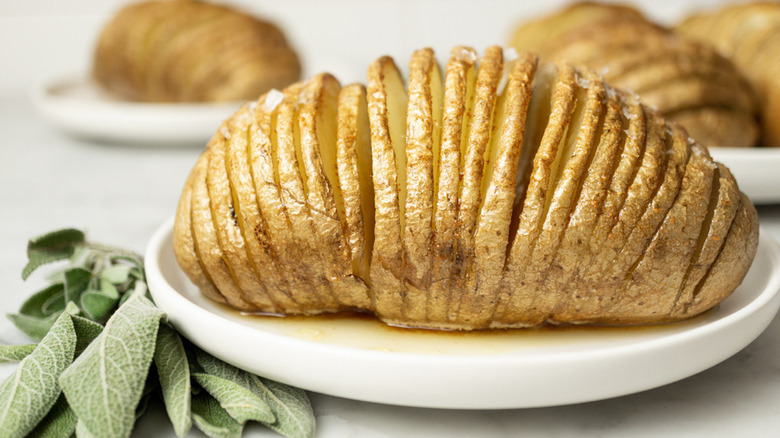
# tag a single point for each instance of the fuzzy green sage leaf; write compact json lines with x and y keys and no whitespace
{"x":33,"y":326}
{"x":212,"y":419}
{"x":173,"y":370}
{"x":292,"y":411}
{"x":291,"y":407}
{"x":51,"y":247}
{"x":60,"y":422}
{"x":15,"y":353}
{"x":240,"y":402}
{"x":105,"y":383}
{"x":30,"y":392}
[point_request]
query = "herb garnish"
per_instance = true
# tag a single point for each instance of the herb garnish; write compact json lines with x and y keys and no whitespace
{"x":104,"y":349}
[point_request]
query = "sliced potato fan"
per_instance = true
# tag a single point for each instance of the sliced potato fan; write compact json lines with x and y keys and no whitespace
{"x":491,"y":191}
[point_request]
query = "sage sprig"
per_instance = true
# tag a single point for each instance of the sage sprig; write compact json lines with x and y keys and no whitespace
{"x":104,"y":349}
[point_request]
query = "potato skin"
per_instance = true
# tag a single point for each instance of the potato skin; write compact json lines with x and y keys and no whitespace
{"x":582,"y":206}
{"x":191,"y":51}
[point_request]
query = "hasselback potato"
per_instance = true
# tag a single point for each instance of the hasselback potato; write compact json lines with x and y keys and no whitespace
{"x":497,"y":192}
{"x":749,"y":35}
{"x":191,"y":51}
{"x":687,"y":81}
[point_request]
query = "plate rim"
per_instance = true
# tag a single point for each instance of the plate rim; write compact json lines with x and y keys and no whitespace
{"x":675,"y":340}
{"x":128,"y":121}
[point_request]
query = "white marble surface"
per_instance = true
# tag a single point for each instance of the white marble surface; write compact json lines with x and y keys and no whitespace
{"x":120,"y":194}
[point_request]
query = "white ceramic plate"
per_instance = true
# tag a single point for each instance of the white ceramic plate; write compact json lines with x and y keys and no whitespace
{"x":78,"y":106}
{"x":362,"y":359}
{"x":757,"y":171}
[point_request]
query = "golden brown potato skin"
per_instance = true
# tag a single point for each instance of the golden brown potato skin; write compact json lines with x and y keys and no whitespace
{"x":749,"y":35}
{"x":687,"y":81}
{"x":583,"y":205}
{"x":191,"y":51}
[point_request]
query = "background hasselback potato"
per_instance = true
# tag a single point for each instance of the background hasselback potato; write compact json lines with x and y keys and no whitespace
{"x":688,"y":82}
{"x":495,"y":192}
{"x":749,"y":35}
{"x":191,"y":51}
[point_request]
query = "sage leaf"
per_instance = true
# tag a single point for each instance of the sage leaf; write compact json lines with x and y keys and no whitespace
{"x":51,"y":247}
{"x":86,"y":332}
{"x":116,"y":274}
{"x":293,"y":414}
{"x":60,"y":422}
{"x":33,"y":326}
{"x":291,"y":407}
{"x":212,"y":419}
{"x":54,"y":305}
{"x":34,"y":306}
{"x":105,"y":383}
{"x":108,"y":289}
{"x":15,"y":353}
{"x":31,"y":390}
{"x":173,"y":370}
{"x":82,"y":431}
{"x":240,"y":402}
{"x":76,"y":282}
{"x":96,"y":305}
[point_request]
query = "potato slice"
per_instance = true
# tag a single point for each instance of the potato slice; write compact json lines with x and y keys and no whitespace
{"x":354,"y":170}
{"x":184,"y":241}
{"x":317,"y":121}
{"x":261,"y":256}
{"x":573,"y":160}
{"x":724,"y":203}
{"x":223,"y":213}
{"x":644,"y":296}
{"x":732,"y":263}
{"x":459,"y":91}
{"x":206,"y":241}
{"x":592,"y":201}
{"x":498,"y":192}
{"x":423,"y":137}
{"x":387,"y":103}
{"x":473,"y":160}
{"x":514,"y":305}
{"x":290,"y":171}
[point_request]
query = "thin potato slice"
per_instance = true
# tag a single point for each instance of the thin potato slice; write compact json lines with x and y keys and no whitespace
{"x":459,"y":91}
{"x":289,"y":171}
{"x":584,"y":218}
{"x":649,"y":299}
{"x":246,"y":209}
{"x":498,"y":192}
{"x":572,"y":161}
{"x":387,"y":102}
{"x":206,"y":241}
{"x":726,"y":199}
{"x":489,"y":75}
{"x":317,"y":121}
{"x":263,"y":157}
{"x":514,"y":305}
{"x":732,"y":263}
{"x":354,"y":169}
{"x":423,"y":129}
{"x":184,"y":241}
{"x":229,"y":235}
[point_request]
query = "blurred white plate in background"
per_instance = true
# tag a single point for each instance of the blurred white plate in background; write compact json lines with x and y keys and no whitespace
{"x":757,"y":171}
{"x":77,"y":105}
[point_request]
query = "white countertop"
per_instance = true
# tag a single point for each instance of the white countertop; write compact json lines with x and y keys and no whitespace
{"x":120,"y":194}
